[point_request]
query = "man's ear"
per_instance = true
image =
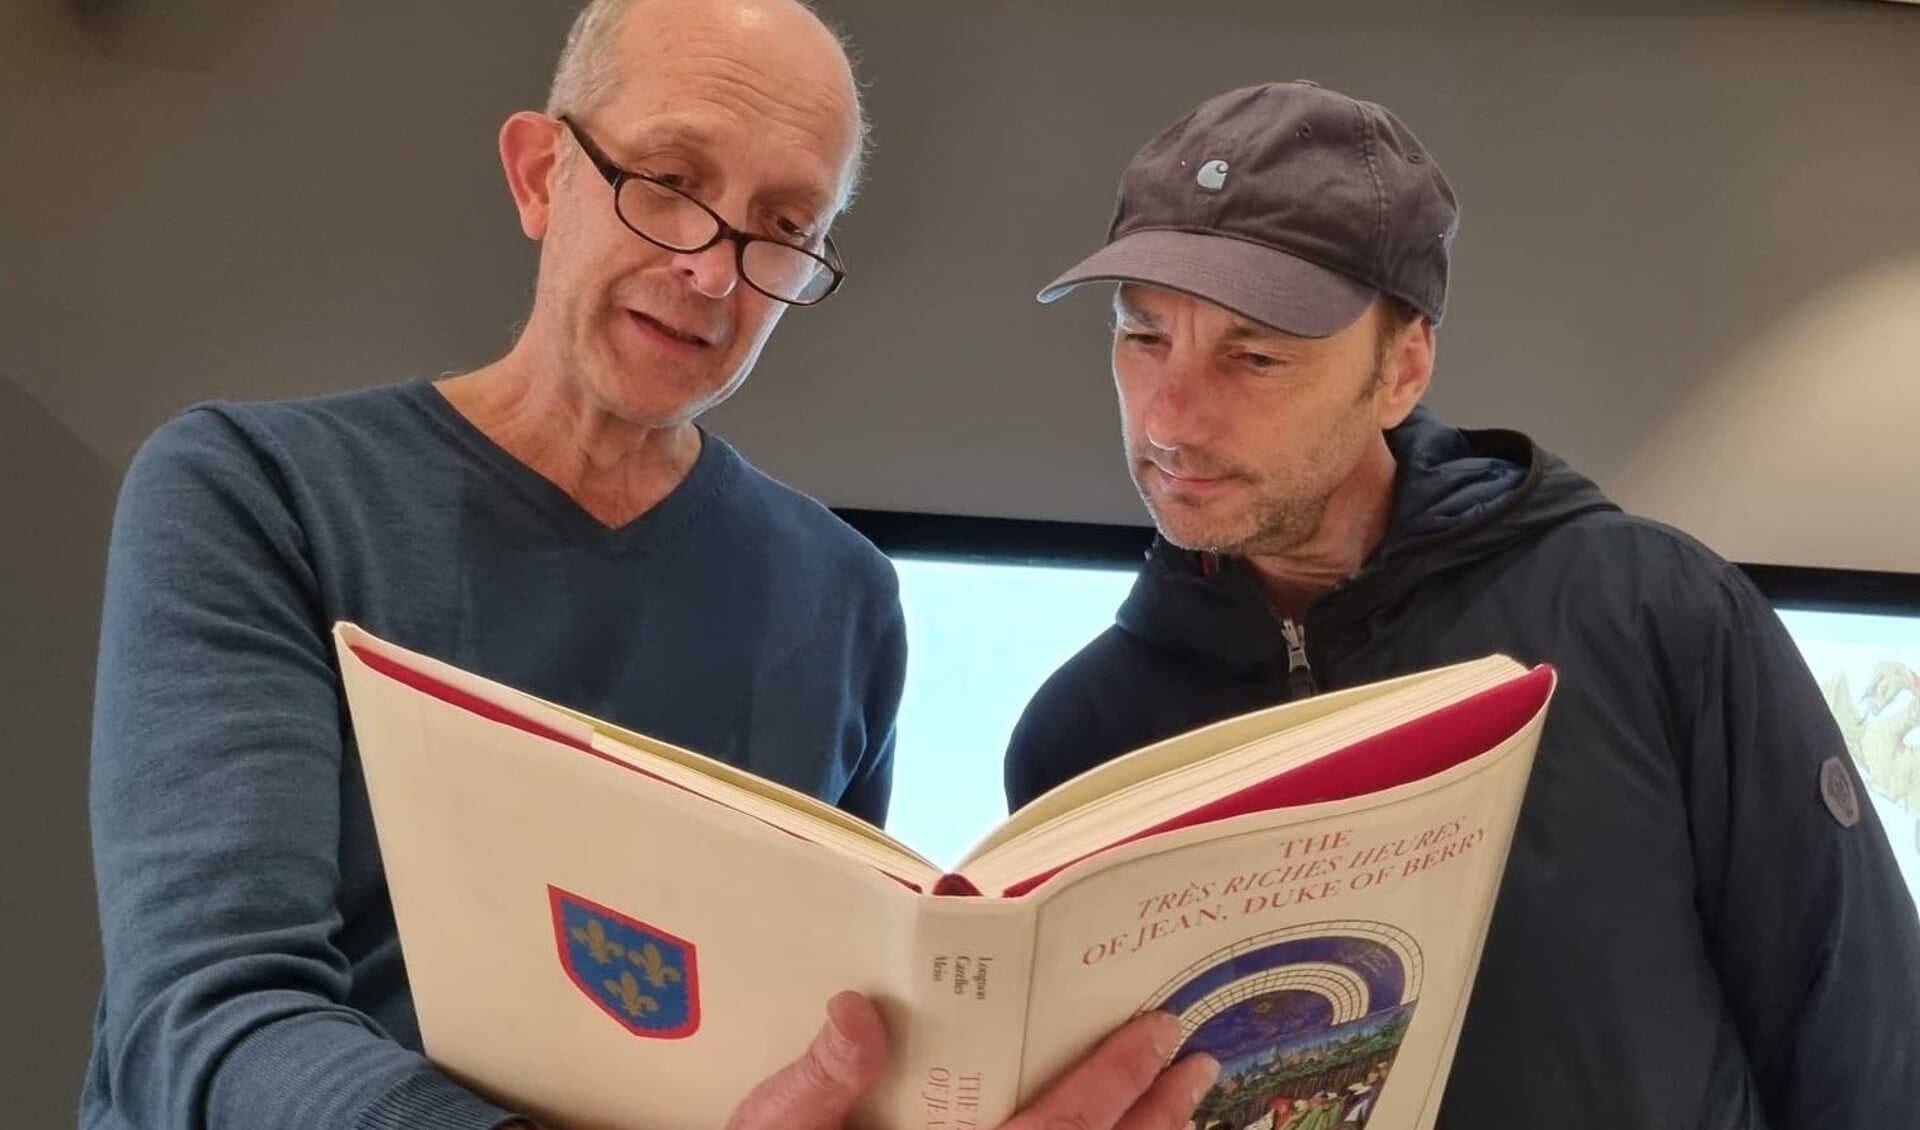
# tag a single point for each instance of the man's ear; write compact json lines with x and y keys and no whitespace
{"x":1408,"y":371}
{"x":529,"y":152}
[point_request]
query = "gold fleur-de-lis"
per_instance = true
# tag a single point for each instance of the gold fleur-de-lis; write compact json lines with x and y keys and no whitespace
{"x":658,"y":972}
{"x":626,"y":991}
{"x":594,"y":937}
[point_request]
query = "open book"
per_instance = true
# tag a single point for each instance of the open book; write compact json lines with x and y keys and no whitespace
{"x":604,"y":931}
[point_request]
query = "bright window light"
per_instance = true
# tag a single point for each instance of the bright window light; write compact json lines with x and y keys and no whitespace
{"x":1869,"y":668}
{"x":981,"y":638}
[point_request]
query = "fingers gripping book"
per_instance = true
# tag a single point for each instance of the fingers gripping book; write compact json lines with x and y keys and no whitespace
{"x":606,"y":931}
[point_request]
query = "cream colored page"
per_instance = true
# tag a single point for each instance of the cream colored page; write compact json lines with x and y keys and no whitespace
{"x":1120,"y":814}
{"x":1149,"y":762}
{"x":729,"y":783}
{"x":774,"y":799}
{"x":845,"y":838}
{"x":596,"y":948}
{"x":1358,"y":921}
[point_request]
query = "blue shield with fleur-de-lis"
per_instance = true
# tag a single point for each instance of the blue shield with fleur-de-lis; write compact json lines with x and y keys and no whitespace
{"x":640,"y":975}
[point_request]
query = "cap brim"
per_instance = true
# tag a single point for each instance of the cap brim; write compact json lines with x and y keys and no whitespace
{"x":1268,"y":286}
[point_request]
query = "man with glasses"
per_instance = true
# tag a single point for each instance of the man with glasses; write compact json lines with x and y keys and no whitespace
{"x":556,"y":520}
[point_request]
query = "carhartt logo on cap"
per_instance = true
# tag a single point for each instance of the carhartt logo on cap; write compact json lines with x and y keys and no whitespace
{"x":1213,"y":175}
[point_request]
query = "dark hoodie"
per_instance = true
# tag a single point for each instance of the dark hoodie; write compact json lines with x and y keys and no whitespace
{"x":1687,"y":936}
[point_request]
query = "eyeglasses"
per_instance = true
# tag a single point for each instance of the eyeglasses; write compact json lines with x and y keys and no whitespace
{"x":667,"y":217}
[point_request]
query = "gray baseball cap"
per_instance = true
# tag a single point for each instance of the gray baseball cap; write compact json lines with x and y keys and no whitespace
{"x":1289,"y":204}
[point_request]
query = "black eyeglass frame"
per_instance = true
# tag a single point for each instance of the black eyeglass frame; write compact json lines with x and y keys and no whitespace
{"x":616,"y":177}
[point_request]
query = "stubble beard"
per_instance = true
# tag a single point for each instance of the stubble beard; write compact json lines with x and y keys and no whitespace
{"x":1269,"y":522}
{"x":1265,"y":525}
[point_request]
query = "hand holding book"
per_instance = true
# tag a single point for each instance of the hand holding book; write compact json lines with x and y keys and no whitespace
{"x":1121,"y":1085}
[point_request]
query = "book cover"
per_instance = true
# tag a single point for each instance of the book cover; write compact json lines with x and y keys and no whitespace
{"x":605,"y":931}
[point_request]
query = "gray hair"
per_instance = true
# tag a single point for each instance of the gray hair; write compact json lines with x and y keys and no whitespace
{"x":588,"y":73}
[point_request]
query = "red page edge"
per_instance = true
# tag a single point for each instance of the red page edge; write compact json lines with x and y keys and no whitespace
{"x":1463,"y":730}
{"x":493,"y":712}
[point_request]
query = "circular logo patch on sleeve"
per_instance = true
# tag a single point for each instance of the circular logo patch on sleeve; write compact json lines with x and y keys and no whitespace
{"x":1836,"y":788}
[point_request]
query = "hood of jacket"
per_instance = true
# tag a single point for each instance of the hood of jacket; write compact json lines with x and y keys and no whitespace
{"x":1459,"y":497}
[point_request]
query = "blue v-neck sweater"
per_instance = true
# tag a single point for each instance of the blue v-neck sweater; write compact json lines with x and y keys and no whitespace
{"x":253,"y":973}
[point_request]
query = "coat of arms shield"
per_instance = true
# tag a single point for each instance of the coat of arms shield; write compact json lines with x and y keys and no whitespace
{"x":646,"y":979}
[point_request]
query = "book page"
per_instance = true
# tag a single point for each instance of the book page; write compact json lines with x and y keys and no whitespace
{"x":739,"y":789}
{"x":595,"y":946}
{"x":1324,"y":956}
{"x":1145,"y":764}
{"x":1438,"y":721}
{"x":811,"y":810}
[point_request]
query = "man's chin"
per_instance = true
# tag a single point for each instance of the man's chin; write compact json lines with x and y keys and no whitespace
{"x":659,"y":396}
{"x":1189,"y":531}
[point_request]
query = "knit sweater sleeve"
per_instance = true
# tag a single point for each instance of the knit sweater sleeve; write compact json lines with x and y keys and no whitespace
{"x":216,"y":782}
{"x":870,"y":790}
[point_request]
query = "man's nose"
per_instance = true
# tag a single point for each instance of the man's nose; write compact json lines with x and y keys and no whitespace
{"x":713,"y":272}
{"x":1177,"y":411}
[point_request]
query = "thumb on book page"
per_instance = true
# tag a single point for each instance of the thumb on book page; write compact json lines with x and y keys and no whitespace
{"x":820,"y":1088}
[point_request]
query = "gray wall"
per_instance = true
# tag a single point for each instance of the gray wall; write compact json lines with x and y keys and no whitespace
{"x":1689,"y":260}
{"x":54,"y":510}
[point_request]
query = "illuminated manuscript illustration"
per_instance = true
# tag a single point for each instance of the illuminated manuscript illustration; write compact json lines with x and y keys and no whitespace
{"x":1305,"y":1022}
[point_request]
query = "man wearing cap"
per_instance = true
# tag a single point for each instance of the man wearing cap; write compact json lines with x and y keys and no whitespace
{"x":1700,"y":925}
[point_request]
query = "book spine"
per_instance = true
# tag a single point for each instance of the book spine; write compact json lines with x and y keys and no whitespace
{"x":961,"y":1023}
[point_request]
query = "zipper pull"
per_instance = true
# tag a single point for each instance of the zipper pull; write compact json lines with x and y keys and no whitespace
{"x":1300,"y":683}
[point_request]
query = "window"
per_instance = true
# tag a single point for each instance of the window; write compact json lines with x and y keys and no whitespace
{"x":981,"y":638}
{"x":1868,"y":666}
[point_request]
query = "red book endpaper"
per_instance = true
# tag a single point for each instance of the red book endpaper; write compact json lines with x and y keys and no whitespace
{"x":1408,"y":752}
{"x":493,"y":712}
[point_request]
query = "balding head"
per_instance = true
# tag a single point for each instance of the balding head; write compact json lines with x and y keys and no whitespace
{"x":743,"y":109}
{"x":611,"y":39}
